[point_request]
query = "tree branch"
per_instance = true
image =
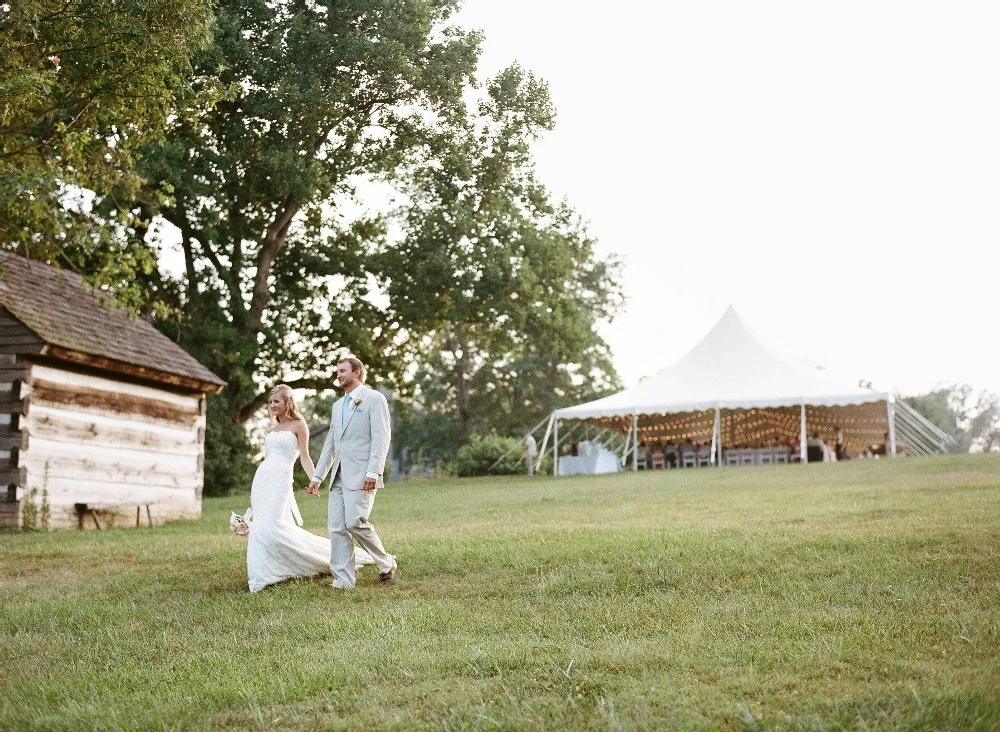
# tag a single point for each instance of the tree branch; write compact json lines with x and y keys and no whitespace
{"x":187,"y":234}
{"x":237,"y":229}
{"x":206,"y":247}
{"x":273,"y":240}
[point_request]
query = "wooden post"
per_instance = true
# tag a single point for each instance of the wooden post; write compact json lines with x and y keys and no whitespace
{"x":635,"y":443}
{"x":802,"y":436}
{"x":890,"y":412}
{"x":716,"y":434}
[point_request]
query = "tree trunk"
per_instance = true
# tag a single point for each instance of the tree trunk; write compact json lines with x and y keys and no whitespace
{"x":460,"y":350}
{"x":273,"y":240}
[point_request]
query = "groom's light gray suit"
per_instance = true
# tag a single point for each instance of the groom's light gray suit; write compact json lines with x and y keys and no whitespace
{"x":355,"y":448}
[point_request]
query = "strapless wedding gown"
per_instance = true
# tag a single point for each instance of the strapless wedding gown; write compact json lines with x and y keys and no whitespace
{"x":278,"y":549}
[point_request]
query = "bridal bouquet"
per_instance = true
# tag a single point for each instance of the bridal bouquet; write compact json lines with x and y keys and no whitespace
{"x":239,"y":524}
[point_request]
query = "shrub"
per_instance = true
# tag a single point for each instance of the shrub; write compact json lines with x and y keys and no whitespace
{"x":488,"y":455}
{"x":228,"y":468}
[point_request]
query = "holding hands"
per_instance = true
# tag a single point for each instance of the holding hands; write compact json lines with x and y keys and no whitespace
{"x":313,"y":488}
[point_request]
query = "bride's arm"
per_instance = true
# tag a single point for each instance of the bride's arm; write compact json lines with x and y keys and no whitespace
{"x":307,"y":464}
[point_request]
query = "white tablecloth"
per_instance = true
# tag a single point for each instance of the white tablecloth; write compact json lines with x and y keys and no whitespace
{"x":596,"y":463}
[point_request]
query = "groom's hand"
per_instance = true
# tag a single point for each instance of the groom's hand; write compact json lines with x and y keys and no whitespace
{"x":369,"y":484}
{"x":313,"y":489}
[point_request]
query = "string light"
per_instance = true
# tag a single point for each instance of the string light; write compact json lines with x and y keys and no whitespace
{"x":863,"y":425}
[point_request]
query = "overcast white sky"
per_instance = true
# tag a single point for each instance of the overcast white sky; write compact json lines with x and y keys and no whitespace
{"x":830,"y":169}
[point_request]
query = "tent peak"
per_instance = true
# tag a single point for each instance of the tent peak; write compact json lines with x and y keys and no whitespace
{"x":731,"y":367}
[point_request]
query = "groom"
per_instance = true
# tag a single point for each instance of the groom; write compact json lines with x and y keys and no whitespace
{"x":356,"y":447}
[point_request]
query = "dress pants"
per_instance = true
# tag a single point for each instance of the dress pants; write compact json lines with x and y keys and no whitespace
{"x":348,"y":519}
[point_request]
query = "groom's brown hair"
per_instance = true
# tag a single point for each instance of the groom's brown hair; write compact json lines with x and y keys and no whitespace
{"x":356,"y":366}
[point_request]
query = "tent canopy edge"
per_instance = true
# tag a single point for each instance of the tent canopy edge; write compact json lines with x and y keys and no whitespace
{"x":585,"y":411}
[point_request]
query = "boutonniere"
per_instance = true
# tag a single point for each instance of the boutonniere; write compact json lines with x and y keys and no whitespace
{"x":357,"y":401}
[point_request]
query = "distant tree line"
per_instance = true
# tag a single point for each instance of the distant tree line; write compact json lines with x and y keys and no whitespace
{"x":253,"y":128}
{"x":971,"y":417}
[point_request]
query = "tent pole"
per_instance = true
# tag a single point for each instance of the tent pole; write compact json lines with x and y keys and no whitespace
{"x":891,"y":413}
{"x":635,"y":443}
{"x":555,"y":448}
{"x":802,"y":435}
{"x":715,"y":438}
{"x":628,"y":442}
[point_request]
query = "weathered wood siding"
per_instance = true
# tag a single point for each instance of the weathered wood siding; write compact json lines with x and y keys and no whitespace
{"x":16,"y":341}
{"x":15,"y":337}
{"x":113,"y":446}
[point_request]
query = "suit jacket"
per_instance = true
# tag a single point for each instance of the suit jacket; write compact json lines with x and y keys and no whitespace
{"x":357,"y":449}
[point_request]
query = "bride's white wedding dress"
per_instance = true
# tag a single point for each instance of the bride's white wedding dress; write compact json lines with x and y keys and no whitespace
{"x":277,"y":549}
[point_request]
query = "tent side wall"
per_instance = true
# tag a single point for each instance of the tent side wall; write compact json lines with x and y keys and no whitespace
{"x":863,"y":425}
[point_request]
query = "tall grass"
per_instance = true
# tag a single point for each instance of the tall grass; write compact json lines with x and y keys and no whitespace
{"x":859,"y":595}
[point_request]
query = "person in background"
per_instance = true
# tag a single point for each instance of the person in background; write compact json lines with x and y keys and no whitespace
{"x":881,"y":449}
{"x":815,"y":449}
{"x":687,"y":447}
{"x":530,"y":451}
{"x":643,"y":456}
{"x":838,"y":443}
{"x":670,"y":456}
{"x":794,"y":450}
{"x":656,"y":456}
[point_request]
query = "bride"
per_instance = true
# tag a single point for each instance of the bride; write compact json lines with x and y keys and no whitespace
{"x":277,"y":548}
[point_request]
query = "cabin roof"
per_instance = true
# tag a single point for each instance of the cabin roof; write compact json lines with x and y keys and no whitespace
{"x":78,"y":324}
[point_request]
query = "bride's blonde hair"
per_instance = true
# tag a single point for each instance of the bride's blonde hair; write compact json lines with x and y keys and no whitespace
{"x":285,"y":391}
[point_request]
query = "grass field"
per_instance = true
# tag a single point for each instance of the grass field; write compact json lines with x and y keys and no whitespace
{"x":860,"y":595}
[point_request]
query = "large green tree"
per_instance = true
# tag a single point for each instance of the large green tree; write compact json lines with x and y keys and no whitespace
{"x":260,"y":185}
{"x":83,"y":84}
{"x":971,"y":417}
{"x":501,"y":288}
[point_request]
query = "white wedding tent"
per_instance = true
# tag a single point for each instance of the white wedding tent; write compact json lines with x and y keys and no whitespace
{"x":732,"y":389}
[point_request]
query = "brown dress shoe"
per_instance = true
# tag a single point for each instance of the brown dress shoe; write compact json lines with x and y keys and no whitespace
{"x":387,"y":578}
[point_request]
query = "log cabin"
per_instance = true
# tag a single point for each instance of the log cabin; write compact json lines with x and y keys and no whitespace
{"x":102,"y":417}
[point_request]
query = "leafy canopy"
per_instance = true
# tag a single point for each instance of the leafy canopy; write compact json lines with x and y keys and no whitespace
{"x":83,"y":84}
{"x":499,"y":288}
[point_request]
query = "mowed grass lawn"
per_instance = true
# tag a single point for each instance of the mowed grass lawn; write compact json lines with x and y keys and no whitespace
{"x":860,"y":595}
